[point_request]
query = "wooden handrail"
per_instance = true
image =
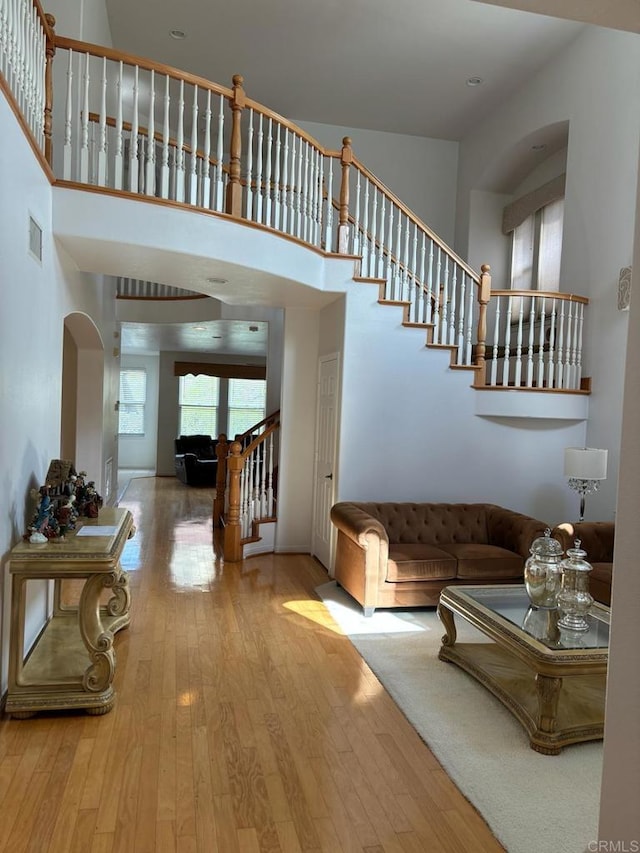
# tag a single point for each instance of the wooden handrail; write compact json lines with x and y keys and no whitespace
{"x":260,"y":439}
{"x":413,"y":218}
{"x":267,"y":420}
{"x":548,"y":294}
{"x":148,"y":64}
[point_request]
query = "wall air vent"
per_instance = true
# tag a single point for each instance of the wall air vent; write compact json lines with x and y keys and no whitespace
{"x":35,"y":239}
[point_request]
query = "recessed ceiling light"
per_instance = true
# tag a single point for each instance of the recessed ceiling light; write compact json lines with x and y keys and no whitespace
{"x":474,"y":81}
{"x":539,"y":147}
{"x":214,"y":280}
{"x":199,"y":329}
{"x":177,"y":34}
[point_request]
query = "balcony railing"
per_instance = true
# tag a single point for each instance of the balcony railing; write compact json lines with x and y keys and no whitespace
{"x":133,"y":126}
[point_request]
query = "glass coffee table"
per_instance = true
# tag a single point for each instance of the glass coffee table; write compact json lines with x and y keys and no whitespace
{"x":553,"y":681}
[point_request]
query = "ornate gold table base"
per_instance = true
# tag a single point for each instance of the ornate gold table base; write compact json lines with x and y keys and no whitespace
{"x":559,"y":700}
{"x":72,"y":663}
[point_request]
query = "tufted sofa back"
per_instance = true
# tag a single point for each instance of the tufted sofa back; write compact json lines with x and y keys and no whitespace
{"x":431,"y":523}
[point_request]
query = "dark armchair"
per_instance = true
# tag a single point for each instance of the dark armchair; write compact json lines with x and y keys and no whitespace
{"x":195,"y":460}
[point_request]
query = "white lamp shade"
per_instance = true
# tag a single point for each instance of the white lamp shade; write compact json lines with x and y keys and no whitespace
{"x":585,"y":463}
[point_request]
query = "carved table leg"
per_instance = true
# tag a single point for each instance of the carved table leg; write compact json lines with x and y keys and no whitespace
{"x":98,"y":641}
{"x":446,"y":617}
{"x":120,"y":602}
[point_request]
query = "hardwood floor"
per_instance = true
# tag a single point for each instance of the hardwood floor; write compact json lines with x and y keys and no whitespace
{"x":243,"y":721}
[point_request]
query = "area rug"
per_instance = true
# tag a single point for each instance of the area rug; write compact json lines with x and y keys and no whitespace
{"x":533,"y":803}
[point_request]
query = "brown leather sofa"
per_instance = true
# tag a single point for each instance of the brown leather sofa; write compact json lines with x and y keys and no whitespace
{"x":597,"y":539}
{"x":404,"y":554}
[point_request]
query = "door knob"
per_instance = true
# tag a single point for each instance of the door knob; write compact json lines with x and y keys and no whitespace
{"x":328,"y":476}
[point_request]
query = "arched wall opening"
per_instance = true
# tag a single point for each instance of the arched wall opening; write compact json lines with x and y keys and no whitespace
{"x":81,"y":428}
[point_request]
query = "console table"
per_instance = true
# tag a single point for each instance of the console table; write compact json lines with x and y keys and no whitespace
{"x":72,"y":663}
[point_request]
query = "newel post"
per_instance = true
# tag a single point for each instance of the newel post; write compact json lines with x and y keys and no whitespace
{"x":484,"y":295}
{"x":222,"y":449}
{"x":232,"y":546}
{"x":346,"y":159}
{"x":234,"y":187}
{"x":48,"y":89}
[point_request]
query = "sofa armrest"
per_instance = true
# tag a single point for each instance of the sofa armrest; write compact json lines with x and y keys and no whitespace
{"x":513,"y":530}
{"x":596,"y":537}
{"x":357,"y":524}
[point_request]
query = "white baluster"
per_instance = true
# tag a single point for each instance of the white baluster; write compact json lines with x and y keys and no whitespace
{"x":133,"y":144}
{"x":206,"y":174}
{"x":193,"y":162}
{"x":299,"y":201}
{"x":269,"y":512}
{"x":578,"y":379}
{"x":518,"y":371}
{"x":357,"y":239}
{"x":180,"y":169}
{"x":249,"y":168}
{"x":219,"y":202}
{"x":560,"y":339}
{"x":119,"y":143}
{"x":285,"y":178}
{"x":420,"y":302}
{"x":84,"y":145}
{"x":67,"y":148}
{"x":507,"y":344}
{"x":429,"y":295}
{"x":150,"y":146}
{"x":443,"y":336}
{"x":259,"y":161}
{"x":102,"y":130}
{"x":397,"y":283}
{"x":388,"y":273}
{"x":552,"y":346}
{"x":414,"y":272}
{"x":469,"y":323}
{"x":437,"y":299}
{"x":329,"y":224}
{"x":453,"y":302}
{"x":460,"y":336}
{"x":532,"y":321}
{"x":305,"y":194}
{"x":541,"y":342}
{"x":366,"y":247}
{"x":496,"y":343}
{"x":404,"y":278}
{"x":276,"y":180}
{"x":377,"y":228}
{"x":267,"y":176}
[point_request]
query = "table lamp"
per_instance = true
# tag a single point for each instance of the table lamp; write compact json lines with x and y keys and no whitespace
{"x":585,"y":467}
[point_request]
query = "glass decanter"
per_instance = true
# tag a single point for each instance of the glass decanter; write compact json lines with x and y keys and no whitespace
{"x":542,"y":571}
{"x":574,"y":599}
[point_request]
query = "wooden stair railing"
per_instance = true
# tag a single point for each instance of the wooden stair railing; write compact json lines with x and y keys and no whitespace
{"x":246,"y":485}
{"x":131,"y":125}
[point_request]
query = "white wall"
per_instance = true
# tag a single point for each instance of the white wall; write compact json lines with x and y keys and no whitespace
{"x":36,"y":298}
{"x":409,"y":428}
{"x":139,"y":451}
{"x":421,"y":172}
{"x":593,"y":85}
{"x":297,"y":430}
{"x":81,"y":19}
{"x":619,"y":814}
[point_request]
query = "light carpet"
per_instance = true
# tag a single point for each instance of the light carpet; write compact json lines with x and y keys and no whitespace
{"x":533,"y":803}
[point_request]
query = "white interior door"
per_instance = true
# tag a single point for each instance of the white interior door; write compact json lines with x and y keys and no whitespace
{"x":325,"y":454}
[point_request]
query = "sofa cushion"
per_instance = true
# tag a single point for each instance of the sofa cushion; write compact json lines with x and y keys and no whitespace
{"x":419,"y":562}
{"x":485,"y":561}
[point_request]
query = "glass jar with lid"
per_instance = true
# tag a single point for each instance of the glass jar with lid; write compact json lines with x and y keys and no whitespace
{"x":542,"y":572}
{"x":574,"y":598}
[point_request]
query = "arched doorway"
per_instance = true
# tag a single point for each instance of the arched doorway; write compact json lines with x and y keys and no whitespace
{"x":81,"y":429}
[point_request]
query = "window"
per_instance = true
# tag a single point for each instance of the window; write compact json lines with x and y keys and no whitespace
{"x":536,"y":247}
{"x":133,"y":396}
{"x":246,"y":404}
{"x":199,"y":403}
